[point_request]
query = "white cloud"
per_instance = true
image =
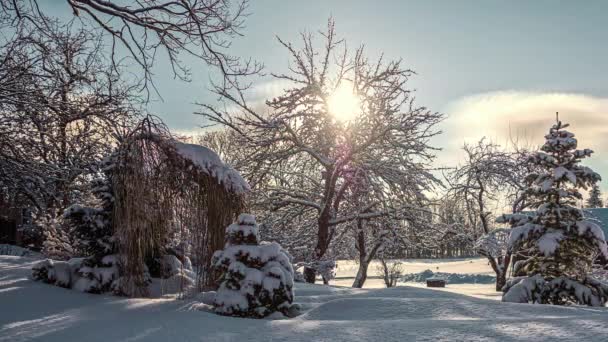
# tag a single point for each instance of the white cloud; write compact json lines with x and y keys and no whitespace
{"x":527,"y":116}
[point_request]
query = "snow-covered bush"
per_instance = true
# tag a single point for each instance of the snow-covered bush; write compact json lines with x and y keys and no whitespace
{"x":170,"y":266}
{"x":257,"y":278}
{"x":81,"y":274}
{"x":326,"y":269}
{"x":176,"y":276}
{"x":555,"y":248}
{"x":559,"y":291}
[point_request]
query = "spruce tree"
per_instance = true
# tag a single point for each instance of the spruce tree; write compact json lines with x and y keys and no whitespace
{"x":555,"y":247}
{"x":595,"y":198}
{"x":91,"y":227}
{"x":257,"y":278}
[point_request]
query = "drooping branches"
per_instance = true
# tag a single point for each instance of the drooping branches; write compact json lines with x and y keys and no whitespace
{"x":164,"y":188}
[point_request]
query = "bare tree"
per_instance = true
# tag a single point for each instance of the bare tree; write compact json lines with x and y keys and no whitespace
{"x":199,"y":28}
{"x":311,"y":158}
{"x":488,"y":175}
{"x":64,"y":111}
{"x":390,"y":271}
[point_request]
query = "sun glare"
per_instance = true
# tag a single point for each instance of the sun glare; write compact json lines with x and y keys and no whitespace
{"x":344,"y":104}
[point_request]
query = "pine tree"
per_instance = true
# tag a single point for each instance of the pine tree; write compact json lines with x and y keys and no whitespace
{"x":555,"y":248}
{"x":595,"y":198}
{"x":91,"y":227}
{"x":257,"y":279}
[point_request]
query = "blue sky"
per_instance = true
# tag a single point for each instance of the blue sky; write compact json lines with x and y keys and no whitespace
{"x":493,"y":67}
{"x":458,"y":48}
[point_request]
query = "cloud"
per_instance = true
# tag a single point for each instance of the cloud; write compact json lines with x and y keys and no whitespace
{"x":528,"y":117}
{"x":267,"y":90}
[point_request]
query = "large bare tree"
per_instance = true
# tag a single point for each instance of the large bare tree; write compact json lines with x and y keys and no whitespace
{"x":310,"y":159}
{"x":199,"y":28}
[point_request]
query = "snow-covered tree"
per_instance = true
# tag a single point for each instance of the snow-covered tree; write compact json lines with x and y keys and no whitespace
{"x":65,"y":113}
{"x":595,"y":198}
{"x":91,"y":226}
{"x":488,"y":173}
{"x":554,"y":249}
{"x":141,"y":30}
{"x":308,"y":157}
{"x":256,"y":278}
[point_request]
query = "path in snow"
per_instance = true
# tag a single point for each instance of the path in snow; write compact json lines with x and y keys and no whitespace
{"x":32,"y":310}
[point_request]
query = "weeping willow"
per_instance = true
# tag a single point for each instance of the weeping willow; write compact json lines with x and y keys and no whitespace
{"x":160,"y":194}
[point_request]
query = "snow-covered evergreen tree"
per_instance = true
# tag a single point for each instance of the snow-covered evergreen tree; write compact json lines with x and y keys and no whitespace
{"x":85,"y":231}
{"x":91,"y":226}
{"x":595,"y":198}
{"x":555,"y":248}
{"x":257,"y":278}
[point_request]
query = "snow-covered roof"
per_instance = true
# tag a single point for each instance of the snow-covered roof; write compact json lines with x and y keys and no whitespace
{"x":209,"y":162}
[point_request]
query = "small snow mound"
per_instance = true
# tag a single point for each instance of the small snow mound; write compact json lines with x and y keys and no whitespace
{"x":206,"y":297}
{"x":246,"y":219}
{"x":450,"y":278}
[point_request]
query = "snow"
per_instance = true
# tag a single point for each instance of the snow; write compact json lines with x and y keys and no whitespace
{"x":560,"y":171}
{"x":39,"y":311}
{"x":170,"y":265}
{"x":450,"y":278}
{"x":73,"y":274}
{"x":13,"y":250}
{"x":256,"y":278}
{"x":210,"y":163}
{"x":535,"y":288}
{"x":466,"y":267}
{"x":549,"y":242}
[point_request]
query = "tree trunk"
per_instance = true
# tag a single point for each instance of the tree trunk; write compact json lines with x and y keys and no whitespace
{"x":361,"y":275}
{"x":500,"y":267}
{"x":363,"y":259}
{"x":501,"y":280}
{"x":310,"y":274}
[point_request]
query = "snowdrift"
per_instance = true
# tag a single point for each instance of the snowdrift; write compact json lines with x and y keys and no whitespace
{"x":451,"y":278}
{"x":36,"y":311}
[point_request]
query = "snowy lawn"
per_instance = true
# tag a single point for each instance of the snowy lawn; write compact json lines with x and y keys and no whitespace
{"x":347,"y":269}
{"x":32,"y":310}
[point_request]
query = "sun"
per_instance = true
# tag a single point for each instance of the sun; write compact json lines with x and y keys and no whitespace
{"x":343,"y":103}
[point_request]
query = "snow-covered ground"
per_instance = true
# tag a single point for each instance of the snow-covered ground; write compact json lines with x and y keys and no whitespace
{"x":347,"y":269}
{"x":36,"y":311}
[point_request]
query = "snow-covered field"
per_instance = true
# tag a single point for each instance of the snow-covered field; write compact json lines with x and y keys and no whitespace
{"x":347,"y":269}
{"x":36,"y":311}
